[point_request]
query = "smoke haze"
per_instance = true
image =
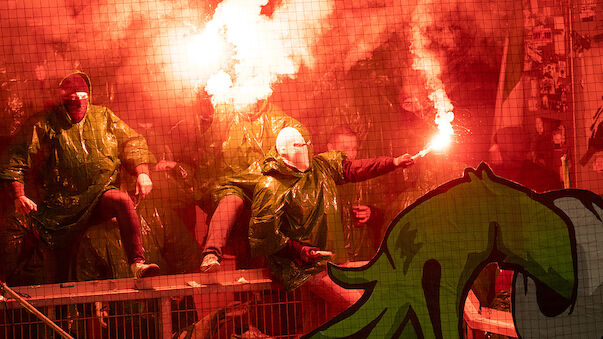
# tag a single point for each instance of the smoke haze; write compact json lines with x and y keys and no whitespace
{"x":154,"y":58}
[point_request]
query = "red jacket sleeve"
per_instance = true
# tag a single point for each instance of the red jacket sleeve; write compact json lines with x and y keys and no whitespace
{"x":363,"y":169}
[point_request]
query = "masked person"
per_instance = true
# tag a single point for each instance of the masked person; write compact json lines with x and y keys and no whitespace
{"x":242,"y":144}
{"x":76,"y":149}
{"x":361,"y":222}
{"x":295,"y":219}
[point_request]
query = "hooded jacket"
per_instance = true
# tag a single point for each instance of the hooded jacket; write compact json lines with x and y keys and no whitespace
{"x":289,"y":204}
{"x":75,"y":163}
{"x":236,"y":148}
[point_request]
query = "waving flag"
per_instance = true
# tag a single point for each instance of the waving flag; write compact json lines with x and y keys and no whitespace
{"x":509,"y":99}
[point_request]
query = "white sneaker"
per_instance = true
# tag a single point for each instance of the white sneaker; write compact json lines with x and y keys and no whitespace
{"x":142,"y":270}
{"x":210,"y":263}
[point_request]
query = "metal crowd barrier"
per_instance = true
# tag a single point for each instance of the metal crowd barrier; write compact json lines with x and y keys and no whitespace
{"x":221,"y":305}
{"x":226,"y":304}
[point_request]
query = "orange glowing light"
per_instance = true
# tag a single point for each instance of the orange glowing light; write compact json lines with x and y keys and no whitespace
{"x":427,"y":62}
{"x":440,"y":142}
{"x":443,"y":138}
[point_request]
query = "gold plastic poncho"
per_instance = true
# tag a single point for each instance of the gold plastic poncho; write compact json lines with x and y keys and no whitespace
{"x":166,"y":239}
{"x":75,"y":162}
{"x":288,"y":204}
{"x":235,"y":149}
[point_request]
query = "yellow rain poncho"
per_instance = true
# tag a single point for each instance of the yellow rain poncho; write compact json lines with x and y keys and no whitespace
{"x":289,"y":204}
{"x":75,"y":163}
{"x":235,"y":149}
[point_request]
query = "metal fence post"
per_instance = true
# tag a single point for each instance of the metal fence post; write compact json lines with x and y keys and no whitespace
{"x":166,"y":318}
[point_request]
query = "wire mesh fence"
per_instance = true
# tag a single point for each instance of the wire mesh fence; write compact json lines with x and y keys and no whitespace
{"x":239,"y":304}
{"x":235,"y":304}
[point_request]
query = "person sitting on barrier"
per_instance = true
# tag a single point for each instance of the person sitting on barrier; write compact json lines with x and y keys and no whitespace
{"x":77,"y":149}
{"x":231,"y":174}
{"x":295,"y":220}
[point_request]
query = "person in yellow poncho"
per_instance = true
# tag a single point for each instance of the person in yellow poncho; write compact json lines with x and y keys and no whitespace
{"x":76,"y":149}
{"x":231,"y":169}
{"x":295,"y":219}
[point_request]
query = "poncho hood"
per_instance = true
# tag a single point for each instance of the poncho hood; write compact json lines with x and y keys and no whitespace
{"x":87,"y":80}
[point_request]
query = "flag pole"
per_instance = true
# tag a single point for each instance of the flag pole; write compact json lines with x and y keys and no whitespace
{"x":500,"y":89}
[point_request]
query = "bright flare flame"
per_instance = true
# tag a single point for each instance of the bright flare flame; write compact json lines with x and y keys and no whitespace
{"x":443,"y":120}
{"x":440,"y":141}
{"x":239,"y":54}
{"x":427,"y":62}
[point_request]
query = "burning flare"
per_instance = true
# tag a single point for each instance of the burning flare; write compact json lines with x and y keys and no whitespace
{"x":240,"y":53}
{"x":427,"y":62}
{"x":443,"y":120}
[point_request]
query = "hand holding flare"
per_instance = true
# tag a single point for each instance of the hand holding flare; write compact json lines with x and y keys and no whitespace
{"x":439,"y":142}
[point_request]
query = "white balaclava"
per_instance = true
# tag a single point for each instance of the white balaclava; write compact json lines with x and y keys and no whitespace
{"x":292,"y":147}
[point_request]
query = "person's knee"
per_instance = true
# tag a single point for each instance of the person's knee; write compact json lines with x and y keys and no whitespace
{"x":233,"y":201}
{"x":120,"y":200}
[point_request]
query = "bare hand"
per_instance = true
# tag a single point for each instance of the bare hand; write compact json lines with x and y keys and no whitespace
{"x":24,"y":205}
{"x":404,"y":161}
{"x":165,"y":165}
{"x":362,"y":214}
{"x":144,"y":185}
